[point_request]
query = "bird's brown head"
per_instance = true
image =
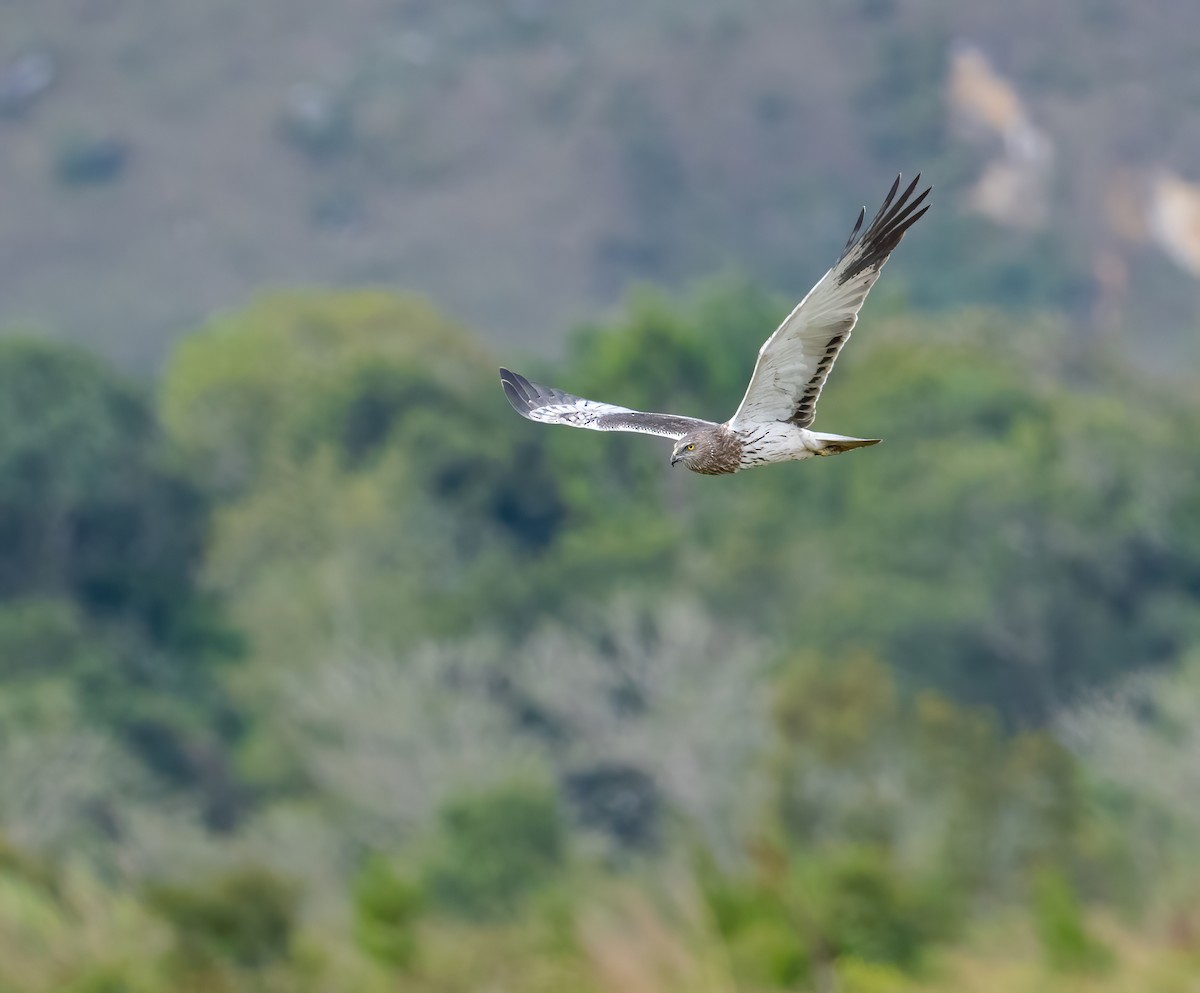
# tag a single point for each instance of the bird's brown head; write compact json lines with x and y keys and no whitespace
{"x":705,"y":451}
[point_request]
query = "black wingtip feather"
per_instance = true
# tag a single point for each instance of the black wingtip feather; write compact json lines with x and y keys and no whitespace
{"x":517,"y":389}
{"x":862,"y":214}
{"x":886,"y":229}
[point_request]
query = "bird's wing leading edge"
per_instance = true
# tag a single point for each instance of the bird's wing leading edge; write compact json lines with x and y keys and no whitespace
{"x":795,"y":361}
{"x":550,"y":406}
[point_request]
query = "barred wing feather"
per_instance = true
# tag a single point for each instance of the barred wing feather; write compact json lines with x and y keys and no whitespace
{"x":551,"y":406}
{"x":795,"y":361}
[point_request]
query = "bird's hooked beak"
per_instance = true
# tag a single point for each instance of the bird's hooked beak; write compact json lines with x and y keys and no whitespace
{"x":676,"y":457}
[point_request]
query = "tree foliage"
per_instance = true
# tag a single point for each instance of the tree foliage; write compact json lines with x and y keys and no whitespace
{"x":494,"y":849}
{"x":838,"y":685}
{"x":102,"y":531}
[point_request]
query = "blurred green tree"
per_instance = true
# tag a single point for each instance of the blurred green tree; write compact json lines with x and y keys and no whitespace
{"x":1067,"y":944}
{"x":101,"y":535}
{"x":386,"y":909}
{"x":358,"y":444}
{"x":495,"y":848}
{"x":244,"y":918}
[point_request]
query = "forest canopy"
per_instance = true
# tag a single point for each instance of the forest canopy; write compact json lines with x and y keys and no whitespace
{"x":320,"y":631}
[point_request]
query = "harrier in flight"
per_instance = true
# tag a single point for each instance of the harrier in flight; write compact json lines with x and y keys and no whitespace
{"x":772,"y":423}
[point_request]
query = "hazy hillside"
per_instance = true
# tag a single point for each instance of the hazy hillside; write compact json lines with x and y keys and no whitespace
{"x":522,"y":162}
{"x":321,"y":671}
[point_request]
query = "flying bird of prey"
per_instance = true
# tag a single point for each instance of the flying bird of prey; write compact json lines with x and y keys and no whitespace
{"x":772,"y":423}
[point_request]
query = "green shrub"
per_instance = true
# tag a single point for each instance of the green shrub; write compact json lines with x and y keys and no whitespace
{"x":769,"y":952}
{"x":112,"y":977}
{"x":244,"y":918}
{"x":765,"y":943}
{"x":494,"y":849}
{"x":1058,"y":917}
{"x":386,"y":908}
{"x":860,"y":904}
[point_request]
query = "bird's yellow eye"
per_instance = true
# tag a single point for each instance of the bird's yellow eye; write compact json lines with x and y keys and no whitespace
{"x":691,"y":448}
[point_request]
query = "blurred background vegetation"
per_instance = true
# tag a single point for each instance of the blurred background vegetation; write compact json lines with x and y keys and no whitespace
{"x":321,"y":670}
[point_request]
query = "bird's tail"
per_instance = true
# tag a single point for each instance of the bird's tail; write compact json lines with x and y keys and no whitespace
{"x":835,"y":444}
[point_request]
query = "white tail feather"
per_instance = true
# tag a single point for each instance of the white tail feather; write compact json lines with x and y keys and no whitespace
{"x":835,"y":444}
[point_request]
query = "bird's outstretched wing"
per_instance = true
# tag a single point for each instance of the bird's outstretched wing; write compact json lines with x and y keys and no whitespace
{"x":795,"y":361}
{"x":551,"y":406}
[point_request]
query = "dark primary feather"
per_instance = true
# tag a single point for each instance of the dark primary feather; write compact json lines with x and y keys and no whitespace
{"x":552,"y":406}
{"x":521,"y":392}
{"x":795,"y":361}
{"x":886,"y":230}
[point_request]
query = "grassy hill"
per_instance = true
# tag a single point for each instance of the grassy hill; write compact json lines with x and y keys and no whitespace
{"x":523,"y":162}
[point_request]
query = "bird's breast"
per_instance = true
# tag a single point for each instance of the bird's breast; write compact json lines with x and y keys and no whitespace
{"x":774,"y":442}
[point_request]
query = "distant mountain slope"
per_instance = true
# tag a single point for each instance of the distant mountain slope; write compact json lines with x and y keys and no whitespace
{"x":522,"y":162}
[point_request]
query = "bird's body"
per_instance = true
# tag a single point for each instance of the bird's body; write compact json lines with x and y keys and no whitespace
{"x":772,"y":423}
{"x":722,"y":449}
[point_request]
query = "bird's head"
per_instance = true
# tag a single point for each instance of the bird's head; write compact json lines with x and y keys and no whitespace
{"x":691,"y":449}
